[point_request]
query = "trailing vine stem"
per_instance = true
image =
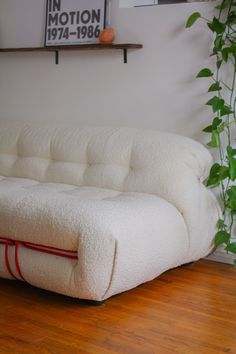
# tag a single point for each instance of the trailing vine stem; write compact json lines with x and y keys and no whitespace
{"x":223,"y":122}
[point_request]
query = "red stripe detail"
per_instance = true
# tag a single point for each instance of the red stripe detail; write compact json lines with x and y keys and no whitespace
{"x":35,"y":247}
{"x":17,"y":260}
{"x":39,"y":249}
{"x":7,"y":260}
{"x":48,"y":247}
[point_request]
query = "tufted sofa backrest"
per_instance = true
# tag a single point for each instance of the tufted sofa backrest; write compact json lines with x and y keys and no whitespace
{"x":127,"y":160}
{"x":116,"y":158}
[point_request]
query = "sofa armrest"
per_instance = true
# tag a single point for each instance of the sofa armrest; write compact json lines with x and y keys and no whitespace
{"x":175,"y":169}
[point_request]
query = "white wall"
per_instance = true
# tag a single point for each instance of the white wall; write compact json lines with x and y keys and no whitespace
{"x":156,"y":89}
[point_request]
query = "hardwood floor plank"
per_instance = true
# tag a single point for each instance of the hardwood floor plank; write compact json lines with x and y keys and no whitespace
{"x":188,"y":310}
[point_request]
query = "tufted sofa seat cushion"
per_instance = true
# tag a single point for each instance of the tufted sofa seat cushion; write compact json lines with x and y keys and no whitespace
{"x":100,"y":225}
{"x":47,"y":213}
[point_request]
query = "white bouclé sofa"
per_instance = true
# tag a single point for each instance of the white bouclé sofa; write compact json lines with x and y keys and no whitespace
{"x":91,"y":212}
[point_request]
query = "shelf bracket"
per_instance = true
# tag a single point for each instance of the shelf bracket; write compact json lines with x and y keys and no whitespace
{"x":125,"y":55}
{"x":56,"y":57}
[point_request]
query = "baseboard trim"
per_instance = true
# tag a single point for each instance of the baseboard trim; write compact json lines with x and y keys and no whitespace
{"x":221,"y":256}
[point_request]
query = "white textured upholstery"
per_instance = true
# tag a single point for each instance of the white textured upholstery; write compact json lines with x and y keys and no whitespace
{"x":131,"y":202}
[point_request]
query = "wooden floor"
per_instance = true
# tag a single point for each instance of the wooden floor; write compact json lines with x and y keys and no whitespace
{"x":186,"y":311}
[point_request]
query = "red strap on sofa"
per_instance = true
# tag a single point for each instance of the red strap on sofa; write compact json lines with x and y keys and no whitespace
{"x":7,"y":259}
{"x":35,"y":247}
{"x":17,"y":260}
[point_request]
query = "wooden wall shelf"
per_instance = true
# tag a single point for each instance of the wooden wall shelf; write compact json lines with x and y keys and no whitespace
{"x":56,"y":49}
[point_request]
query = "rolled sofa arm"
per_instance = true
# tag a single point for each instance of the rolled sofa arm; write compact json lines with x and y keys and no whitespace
{"x":175,"y":169}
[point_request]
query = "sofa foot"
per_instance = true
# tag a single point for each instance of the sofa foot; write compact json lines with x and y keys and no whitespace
{"x":187,"y":264}
{"x":96,"y":303}
{"x":92,"y":302}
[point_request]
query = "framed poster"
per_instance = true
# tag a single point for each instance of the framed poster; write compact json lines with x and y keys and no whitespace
{"x":70,"y":22}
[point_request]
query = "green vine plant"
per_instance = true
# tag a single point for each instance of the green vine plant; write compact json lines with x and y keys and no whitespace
{"x":223,"y":105}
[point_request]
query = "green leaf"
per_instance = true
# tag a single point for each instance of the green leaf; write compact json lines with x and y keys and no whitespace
{"x":231,"y":247}
{"x":216,"y":103}
{"x":215,"y":87}
{"x":225,"y":54}
{"x":224,"y":173}
{"x":221,"y":127}
{"x":232,"y":49}
{"x":231,"y":18}
{"x":217,"y":173}
{"x":216,"y":26}
{"x":231,"y":201}
{"x":205,"y":73}
{"x":230,"y":151}
{"x":235,"y":262}
{"x":218,"y":63}
{"x":216,"y":122}
{"x":219,"y":42}
{"x":232,"y":168}
{"x":221,"y":237}
{"x":225,"y":110}
{"x":216,"y":125}
{"x":208,"y":129}
{"x":192,"y":19}
{"x":215,"y":168}
{"x":220,"y":224}
{"x":215,"y":139}
{"x":213,"y":178}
